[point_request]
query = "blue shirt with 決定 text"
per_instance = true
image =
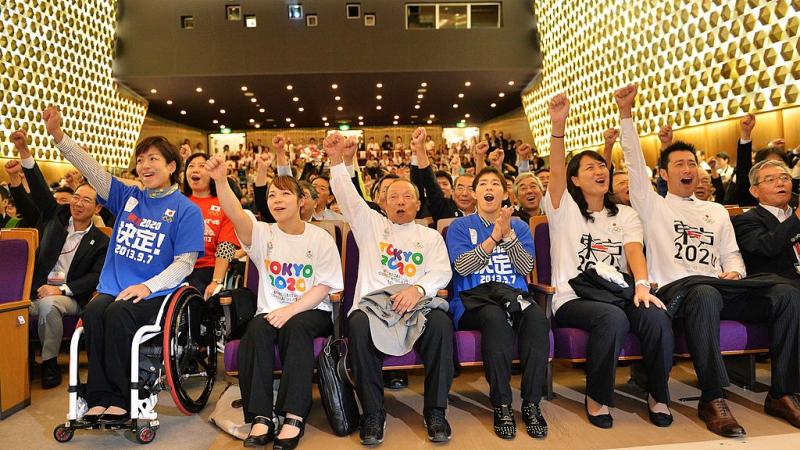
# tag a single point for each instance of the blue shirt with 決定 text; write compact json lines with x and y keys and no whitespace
{"x":466,"y":233}
{"x":148,"y":234}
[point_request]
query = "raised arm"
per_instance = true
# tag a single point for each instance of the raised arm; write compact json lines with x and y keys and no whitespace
{"x":524,"y":153}
{"x":559,"y":111}
{"x":610,"y":137}
{"x":479,"y":151}
{"x":227,"y":199}
{"x":94,"y":172}
{"x":744,"y":163}
{"x":40,"y":192}
{"x":354,"y":208}
{"x":641,"y":191}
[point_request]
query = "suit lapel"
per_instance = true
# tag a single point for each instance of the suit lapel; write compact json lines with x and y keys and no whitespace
{"x":768,"y":217}
{"x":88,"y":242}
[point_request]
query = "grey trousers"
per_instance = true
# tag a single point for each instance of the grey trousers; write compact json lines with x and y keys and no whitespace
{"x":51,"y":310}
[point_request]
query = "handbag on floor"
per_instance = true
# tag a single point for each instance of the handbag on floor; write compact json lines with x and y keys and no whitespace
{"x":334,"y":383}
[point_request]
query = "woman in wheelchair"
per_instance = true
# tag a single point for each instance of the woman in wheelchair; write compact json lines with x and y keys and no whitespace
{"x":154,"y":246}
{"x":220,"y":239}
{"x":298,"y":266}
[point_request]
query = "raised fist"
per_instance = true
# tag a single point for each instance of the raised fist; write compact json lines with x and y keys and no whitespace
{"x":20,"y":139}
{"x":558,"y":108}
{"x":481,"y":148}
{"x":418,"y":138}
{"x":349,"y":150}
{"x":665,"y":134}
{"x":52,"y":119}
{"x":278,"y":142}
{"x":777,"y":143}
{"x":13,"y":168}
{"x":625,"y":96}
{"x":524,"y":152}
{"x":712,"y":163}
{"x":748,"y":122}
{"x":264,"y":159}
{"x":185,"y":151}
{"x":610,"y":136}
{"x":496,"y":157}
{"x":333,"y":145}
{"x":216,"y":168}
{"x":455,"y":162}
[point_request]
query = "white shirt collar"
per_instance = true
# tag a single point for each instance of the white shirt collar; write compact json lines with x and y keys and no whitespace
{"x":671,"y":196}
{"x":779,"y":214}
{"x":71,"y":227}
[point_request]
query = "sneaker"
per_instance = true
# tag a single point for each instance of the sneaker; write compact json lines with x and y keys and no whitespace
{"x":504,"y":425}
{"x":436,"y":422}
{"x":534,"y":420}
{"x":372,"y":427}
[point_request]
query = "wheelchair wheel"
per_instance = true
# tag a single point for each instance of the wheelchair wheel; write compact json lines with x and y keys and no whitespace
{"x":63,"y":434}
{"x":145,"y":435}
{"x":190,"y":350}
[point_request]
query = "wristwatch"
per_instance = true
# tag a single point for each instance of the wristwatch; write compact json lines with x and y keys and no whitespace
{"x":420,"y":289}
{"x":645,"y":283}
{"x":63,"y":289}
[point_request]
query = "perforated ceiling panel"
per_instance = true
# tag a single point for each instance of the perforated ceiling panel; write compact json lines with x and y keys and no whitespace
{"x":696,"y":62}
{"x":61,"y":53}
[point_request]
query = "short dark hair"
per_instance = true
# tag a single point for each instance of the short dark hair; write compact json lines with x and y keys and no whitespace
{"x":64,"y":188}
{"x":4,"y":194}
{"x":167,"y":150}
{"x":764,"y":153}
{"x":287,"y":183}
{"x":311,"y":189}
{"x":723,"y":155}
{"x":445,"y":175}
{"x":677,"y":146}
{"x":187,"y":190}
{"x":376,"y":186}
{"x":486,"y":171}
{"x":543,"y":169}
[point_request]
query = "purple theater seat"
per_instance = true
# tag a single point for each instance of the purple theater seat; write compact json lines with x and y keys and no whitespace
{"x":734,"y":337}
{"x":570,"y":343}
{"x":13,"y":269}
{"x":69,"y":323}
{"x":232,"y":354}
{"x":541,"y":240}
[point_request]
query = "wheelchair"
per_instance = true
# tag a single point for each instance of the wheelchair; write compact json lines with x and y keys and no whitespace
{"x":177,"y":352}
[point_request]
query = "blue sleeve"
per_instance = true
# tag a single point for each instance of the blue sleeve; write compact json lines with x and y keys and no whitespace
{"x":187,"y":236}
{"x":523,"y":232}
{"x":117,"y":196}
{"x":458,"y":241}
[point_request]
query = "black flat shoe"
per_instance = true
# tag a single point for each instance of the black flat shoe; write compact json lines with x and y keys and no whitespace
{"x":290,"y":443}
{"x":90,"y":418}
{"x":262,"y":439}
{"x":660,"y":419}
{"x":604,"y":421}
{"x":535,"y":424}
{"x":114,"y":418}
{"x":504,"y":425}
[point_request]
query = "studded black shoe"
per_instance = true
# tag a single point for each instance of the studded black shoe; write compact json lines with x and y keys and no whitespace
{"x":534,"y":420}
{"x":504,"y":425}
{"x":372,"y":427}
{"x":436,"y":423}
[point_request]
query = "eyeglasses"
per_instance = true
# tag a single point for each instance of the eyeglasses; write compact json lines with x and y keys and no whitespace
{"x":462,"y":189}
{"x":85,"y":200}
{"x":773,"y":179}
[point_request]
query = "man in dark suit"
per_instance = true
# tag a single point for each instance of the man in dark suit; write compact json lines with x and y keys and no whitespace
{"x":769,"y":239}
{"x":69,"y":259}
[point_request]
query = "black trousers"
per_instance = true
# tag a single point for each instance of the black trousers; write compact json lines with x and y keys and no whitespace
{"x":200,"y":278}
{"x":497,"y":341}
{"x":109,"y":327}
{"x":295,"y":341}
{"x":435,"y":347}
{"x":607,"y":326}
{"x":778,"y":306}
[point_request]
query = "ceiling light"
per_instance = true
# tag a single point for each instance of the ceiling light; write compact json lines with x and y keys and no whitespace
{"x":416,"y":106}
{"x":289,"y":87}
{"x":222,"y":111}
{"x":253,"y":100}
{"x":379,"y":85}
{"x":361,"y":123}
{"x":379,"y":107}
{"x":153,"y":91}
{"x":493,"y":105}
{"x":301,"y":109}
{"x":258,"y":125}
{"x":211,"y":100}
{"x":466,"y":115}
{"x":295,"y":99}
{"x":460,"y":95}
{"x":467,"y":84}
{"x":169,"y":102}
{"x":244,"y":88}
{"x":183,"y":112}
{"x":337,"y":98}
{"x":252,"y":120}
{"x":455,"y":105}
{"x":394,"y":123}
{"x":249,"y":94}
{"x":339,"y":108}
{"x":432,"y":116}
{"x":334,"y":86}
{"x":430,"y":122}
{"x":288,"y":119}
{"x":502,"y":94}
{"x":424,"y":84}
{"x":215,"y":121}
{"x":291,"y":125}
{"x":396,"y":117}
{"x":261,"y":110}
{"x":379,"y":97}
{"x":420,"y":95}
{"x":199,"y":89}
{"x":511,"y":83}
{"x":360,"y":117}
{"x":327,"y":124}
{"x":222,"y":126}
{"x":324,"y":118}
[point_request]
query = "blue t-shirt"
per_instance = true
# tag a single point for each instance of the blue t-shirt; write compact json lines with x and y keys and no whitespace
{"x":463,"y":235}
{"x":148,"y":234}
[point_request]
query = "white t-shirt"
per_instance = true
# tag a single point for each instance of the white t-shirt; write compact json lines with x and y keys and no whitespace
{"x":684,"y":236}
{"x":390,"y":253}
{"x":577,"y":244}
{"x":290,"y":265}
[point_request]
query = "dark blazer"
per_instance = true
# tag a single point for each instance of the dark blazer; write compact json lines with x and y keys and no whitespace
{"x":766,"y":244}
{"x":431,"y":194}
{"x":84,"y":272}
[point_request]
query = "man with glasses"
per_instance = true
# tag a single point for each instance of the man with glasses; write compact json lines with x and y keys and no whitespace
{"x":69,"y":258}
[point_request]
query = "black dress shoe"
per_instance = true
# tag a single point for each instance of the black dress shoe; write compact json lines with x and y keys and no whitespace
{"x":436,"y":423}
{"x":262,"y":439}
{"x":601,"y":421}
{"x":504,"y":425}
{"x":51,"y":376}
{"x":290,"y":443}
{"x":115,"y":418}
{"x":535,"y":424}
{"x":660,"y":419}
{"x":395,"y":379}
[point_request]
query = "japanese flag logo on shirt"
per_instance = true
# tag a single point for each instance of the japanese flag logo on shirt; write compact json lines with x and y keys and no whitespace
{"x":215,"y":210}
{"x":168,"y":215}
